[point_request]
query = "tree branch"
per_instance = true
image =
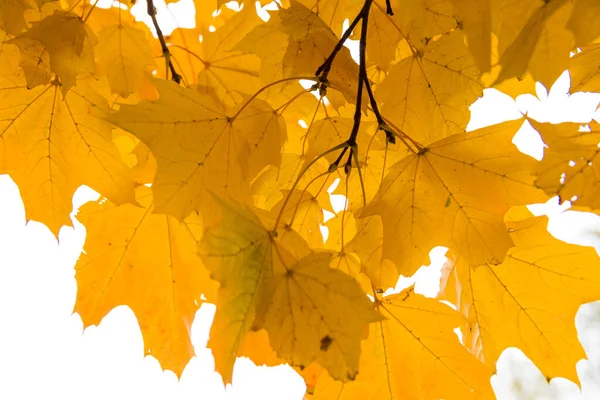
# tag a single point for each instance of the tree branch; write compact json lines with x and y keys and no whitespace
{"x":163,"y":45}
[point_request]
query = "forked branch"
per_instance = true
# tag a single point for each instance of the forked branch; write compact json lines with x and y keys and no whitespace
{"x":350,"y":145}
{"x":363,"y":80}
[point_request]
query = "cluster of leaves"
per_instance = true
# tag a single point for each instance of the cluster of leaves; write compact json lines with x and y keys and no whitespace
{"x":214,"y":180}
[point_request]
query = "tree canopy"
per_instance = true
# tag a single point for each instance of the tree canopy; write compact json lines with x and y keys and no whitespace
{"x":213,"y":156}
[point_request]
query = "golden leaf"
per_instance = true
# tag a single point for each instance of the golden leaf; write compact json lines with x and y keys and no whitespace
{"x":315,"y":313}
{"x":532,"y":36}
{"x":239,"y":253}
{"x":425,"y":94}
{"x":295,"y":42}
{"x":585,"y":21}
{"x":123,"y":51}
{"x":68,"y":42}
{"x":198,"y":147}
{"x":530,"y":300}
{"x":570,"y":168}
{"x":148,"y":262}
{"x":455,"y":193}
{"x":585,"y":69}
{"x":66,"y":146}
{"x":413,"y":354}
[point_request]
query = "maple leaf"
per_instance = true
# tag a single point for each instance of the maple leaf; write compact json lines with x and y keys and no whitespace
{"x":9,"y":55}
{"x":239,"y":253}
{"x":454,"y":193}
{"x":219,"y":71}
{"x":532,"y":36}
{"x":405,"y":351}
{"x":584,"y":21}
{"x":367,"y":243}
{"x":477,"y":23}
{"x":315,"y":313}
{"x":235,"y":156}
{"x":585,"y":69}
{"x":148,"y":262}
{"x":295,"y":41}
{"x":67,"y":145}
{"x":12,"y":19}
{"x":68,"y":42}
{"x":197,"y":146}
{"x":124,"y":52}
{"x":570,"y":167}
{"x":425,"y":94}
{"x":530,"y":300}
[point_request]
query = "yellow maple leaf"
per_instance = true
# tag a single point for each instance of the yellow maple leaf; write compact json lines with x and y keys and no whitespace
{"x":198,"y":147}
{"x":148,"y":262}
{"x":367,"y":243}
{"x":570,"y":168}
{"x":12,"y":19}
{"x":303,"y":213}
{"x":532,"y":36}
{"x":455,"y":193}
{"x":585,"y":21}
{"x":295,"y":42}
{"x":315,"y":313}
{"x":66,"y":145}
{"x":584,"y":69}
{"x":383,"y":37}
{"x":530,"y":300}
{"x":68,"y":41}
{"x":9,"y":57}
{"x":476,"y":20}
{"x":240,"y":151}
{"x":333,"y":13}
{"x":227,"y":75}
{"x":124,"y":52}
{"x":422,"y":20}
{"x":425,"y":93}
{"x":241,"y":255}
{"x":413,"y":354}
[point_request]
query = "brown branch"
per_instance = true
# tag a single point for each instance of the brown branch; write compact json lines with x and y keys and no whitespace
{"x":163,"y":44}
{"x":388,"y":7}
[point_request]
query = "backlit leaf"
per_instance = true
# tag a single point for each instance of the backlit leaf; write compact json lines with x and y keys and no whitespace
{"x":530,"y":300}
{"x":425,"y":95}
{"x":571,"y":165}
{"x":405,"y":351}
{"x":148,"y":262}
{"x":67,"y":145}
{"x":315,"y":313}
{"x":68,"y":41}
{"x":455,"y":193}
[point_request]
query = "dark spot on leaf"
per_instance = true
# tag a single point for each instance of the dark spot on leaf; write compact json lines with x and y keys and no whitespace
{"x":326,"y":342}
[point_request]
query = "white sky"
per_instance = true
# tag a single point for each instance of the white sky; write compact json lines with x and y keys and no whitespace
{"x":44,"y":352}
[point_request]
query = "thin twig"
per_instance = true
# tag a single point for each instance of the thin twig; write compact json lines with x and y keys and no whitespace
{"x":388,"y":7}
{"x":163,"y":44}
{"x":324,"y":68}
{"x":362,"y":71}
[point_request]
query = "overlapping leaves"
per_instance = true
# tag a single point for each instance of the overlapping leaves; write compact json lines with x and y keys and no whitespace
{"x":239,"y":158}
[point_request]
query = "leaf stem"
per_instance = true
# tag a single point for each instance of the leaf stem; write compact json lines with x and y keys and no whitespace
{"x":301,"y":174}
{"x":90,"y":13}
{"x":163,"y":44}
{"x":259,"y":91}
